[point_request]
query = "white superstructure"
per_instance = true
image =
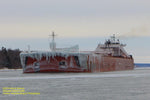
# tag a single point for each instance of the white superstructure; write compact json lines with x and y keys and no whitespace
{"x":112,"y":47}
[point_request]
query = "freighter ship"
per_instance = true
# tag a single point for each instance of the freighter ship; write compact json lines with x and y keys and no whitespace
{"x":110,"y":56}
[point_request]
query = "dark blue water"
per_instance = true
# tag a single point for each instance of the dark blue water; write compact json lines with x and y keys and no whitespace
{"x":142,"y":64}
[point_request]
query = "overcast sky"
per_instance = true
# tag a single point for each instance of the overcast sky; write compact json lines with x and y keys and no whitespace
{"x":22,"y":21}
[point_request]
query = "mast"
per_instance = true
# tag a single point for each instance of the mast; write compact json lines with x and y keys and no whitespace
{"x":52,"y":43}
{"x":113,"y":38}
{"x":53,"y":36}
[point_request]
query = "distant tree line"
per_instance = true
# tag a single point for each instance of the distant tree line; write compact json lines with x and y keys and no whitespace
{"x":9,"y":58}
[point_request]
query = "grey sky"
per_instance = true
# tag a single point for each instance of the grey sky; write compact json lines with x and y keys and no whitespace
{"x":35,"y":19}
{"x":74,"y":8}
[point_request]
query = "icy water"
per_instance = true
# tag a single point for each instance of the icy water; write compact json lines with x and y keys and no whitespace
{"x":120,"y":85}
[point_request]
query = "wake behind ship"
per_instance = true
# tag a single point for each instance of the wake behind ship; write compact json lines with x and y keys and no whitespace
{"x":110,"y":56}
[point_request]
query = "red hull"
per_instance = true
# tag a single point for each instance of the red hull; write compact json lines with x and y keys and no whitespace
{"x":71,"y":64}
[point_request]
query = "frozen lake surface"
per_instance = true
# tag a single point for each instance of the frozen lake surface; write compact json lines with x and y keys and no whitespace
{"x":119,"y":85}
